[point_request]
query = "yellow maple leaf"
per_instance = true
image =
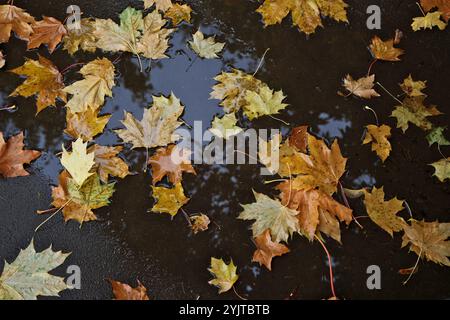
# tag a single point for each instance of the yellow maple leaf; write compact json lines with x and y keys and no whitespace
{"x":224,"y":274}
{"x":206,"y":48}
{"x":78,"y":162}
{"x":82,"y":38}
{"x":178,"y":13}
{"x":432,"y":19}
{"x":85,"y":125}
{"x":413,"y":110}
{"x":378,"y":136}
{"x":442,"y":169}
{"x":161,"y":5}
{"x":169,"y":200}
{"x":413,"y":88}
{"x":385,"y":50}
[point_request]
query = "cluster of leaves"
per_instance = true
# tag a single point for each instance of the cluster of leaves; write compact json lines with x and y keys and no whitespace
{"x":432,"y":18}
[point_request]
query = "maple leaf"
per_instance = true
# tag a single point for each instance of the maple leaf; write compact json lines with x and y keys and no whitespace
{"x":82,"y":38}
{"x":413,"y":110}
{"x":2,"y":60}
{"x":107,"y":163}
{"x":429,"y":240}
{"x":13,"y":157}
{"x":85,"y":125}
{"x":305,"y":13}
{"x":378,"y":136}
{"x":43,"y":79}
{"x":123,"y":291}
{"x":161,"y":5}
{"x":385,"y":50}
{"x":78,"y":162}
{"x":156,"y":129}
{"x":266,"y":153}
{"x":169,"y":200}
{"x":266,"y":249}
{"x":316,"y":211}
{"x":270,"y":214}
{"x":154,"y":42}
{"x":225,"y":127}
{"x":171,"y":161}
{"x":384,"y":213}
{"x":28,"y":275}
{"x":299,"y":138}
{"x":442,"y":5}
{"x":362,"y":87}
{"x":178,"y":13}
{"x":205,"y":48}
{"x":48,"y":31}
{"x":14,"y":19}
{"x":263,"y":102}
{"x":199,"y":222}
{"x":442,"y":169}
{"x":437,"y":136}
{"x":413,"y":88}
{"x":432,"y":19}
{"x":91,"y":91}
{"x":224,"y":274}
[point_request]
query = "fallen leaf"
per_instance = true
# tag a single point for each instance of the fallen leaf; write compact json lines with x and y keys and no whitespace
{"x":169,"y":200}
{"x":384,"y":50}
{"x":14,"y":19}
{"x":263,"y":102}
{"x":413,"y":88}
{"x":107,"y":163}
{"x":2,"y":60}
{"x":378,"y":136}
{"x":161,"y":5}
{"x":414,"y":110}
{"x":78,"y":162}
{"x":442,"y":5}
{"x":266,"y":249}
{"x":13,"y":156}
{"x":49,"y":31}
{"x":199,"y":222}
{"x":123,"y":291}
{"x":267,"y":153}
{"x":408,"y":271}
{"x":43,"y":79}
{"x":437,"y":136}
{"x":225,"y":127}
{"x":299,"y":138}
{"x":270,"y":214}
{"x":91,"y":91}
{"x":362,"y":87}
{"x":82,"y":38}
{"x":429,"y":240}
{"x":206,"y":48}
{"x":28,"y":276}
{"x":154,"y":42}
{"x":432,"y":19}
{"x":156,"y":129}
{"x":305,"y":13}
{"x":224,"y":274}
{"x":442,"y":169}
{"x":178,"y":13}
{"x":85,"y":125}
{"x":384,"y":213}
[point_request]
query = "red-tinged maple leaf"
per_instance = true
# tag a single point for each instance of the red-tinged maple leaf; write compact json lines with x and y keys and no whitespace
{"x":13,"y":157}
{"x":123,"y":291}
{"x":14,"y":19}
{"x":266,"y":249}
{"x":48,"y":31}
{"x":299,"y":138}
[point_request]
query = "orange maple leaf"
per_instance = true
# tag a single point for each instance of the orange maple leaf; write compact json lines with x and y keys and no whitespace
{"x":48,"y":31}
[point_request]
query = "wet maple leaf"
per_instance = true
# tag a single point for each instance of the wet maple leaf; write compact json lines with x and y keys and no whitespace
{"x":305,"y":13}
{"x":384,"y":213}
{"x":85,"y":125}
{"x":172,"y":162}
{"x":13,"y":156}
{"x":429,"y":240}
{"x":270,"y":214}
{"x":224,"y":274}
{"x":169,"y":200}
{"x":442,"y":5}
{"x":378,"y":136}
{"x":266,"y":249}
{"x":43,"y":79}
{"x":413,"y":88}
{"x":178,"y":13}
{"x":267,"y":153}
{"x":199,"y":222}
{"x":14,"y":19}
{"x":27,"y":277}
{"x":413,"y":110}
{"x":49,"y":31}
{"x":161,"y":5}
{"x":82,"y":38}
{"x":205,"y":48}
{"x":265,"y":101}
{"x":107,"y":163}
{"x":123,"y":291}
{"x":299,"y":138}
{"x":442,"y":169}
{"x":156,"y":129}
{"x":437,"y":136}
{"x":385,"y":50}
{"x":92,"y":90}
{"x":430,"y":20}
{"x":362,"y":87}
{"x":2,"y":60}
{"x":225,"y":127}
{"x":78,"y":162}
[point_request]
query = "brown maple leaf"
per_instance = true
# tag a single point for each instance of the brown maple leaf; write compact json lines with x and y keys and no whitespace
{"x":108,"y":163}
{"x":14,"y":19}
{"x":170,"y":161}
{"x":123,"y":291}
{"x":362,"y":87}
{"x":442,"y":5}
{"x":384,"y":50}
{"x":13,"y":157}
{"x":267,"y":249}
{"x":299,"y":138}
{"x":48,"y":31}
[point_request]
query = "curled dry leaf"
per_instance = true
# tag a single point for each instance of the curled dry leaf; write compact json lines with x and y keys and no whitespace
{"x":385,"y":50}
{"x":432,"y":19}
{"x":13,"y":156}
{"x":224,"y":274}
{"x":206,"y":48}
{"x":266,"y":249}
{"x":107,"y":163}
{"x":172,"y":162}
{"x":14,"y":19}
{"x":169,"y":200}
{"x":378,"y":136}
{"x":43,"y":79}
{"x":49,"y":31}
{"x":199,"y":222}
{"x":442,"y":169}
{"x":85,"y":125}
{"x":123,"y":291}
{"x":362,"y":87}
{"x":178,"y":13}
{"x":78,"y":162}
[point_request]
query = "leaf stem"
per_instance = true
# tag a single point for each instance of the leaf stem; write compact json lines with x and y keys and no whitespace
{"x":415,"y":267}
{"x":261,"y":61}
{"x":371,"y":65}
{"x":374,"y":113}
{"x":238,"y":295}
{"x":421,"y":9}
{"x":278,"y":119}
{"x":386,"y":90}
{"x":53,"y":214}
{"x":329,"y":265}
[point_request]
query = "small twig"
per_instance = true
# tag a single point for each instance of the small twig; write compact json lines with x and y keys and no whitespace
{"x":186,"y":124}
{"x":393,"y":97}
{"x":261,"y":61}
{"x":374,"y":113}
{"x":187,"y":217}
{"x":278,"y":119}
{"x":408,"y":209}
{"x":53,"y":214}
{"x":330,"y":266}
{"x":275,"y":180}
{"x":443,"y":156}
{"x":71,"y":66}
{"x":415,"y":266}
{"x":8,"y":107}
{"x":238,"y":295}
{"x":421,"y":9}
